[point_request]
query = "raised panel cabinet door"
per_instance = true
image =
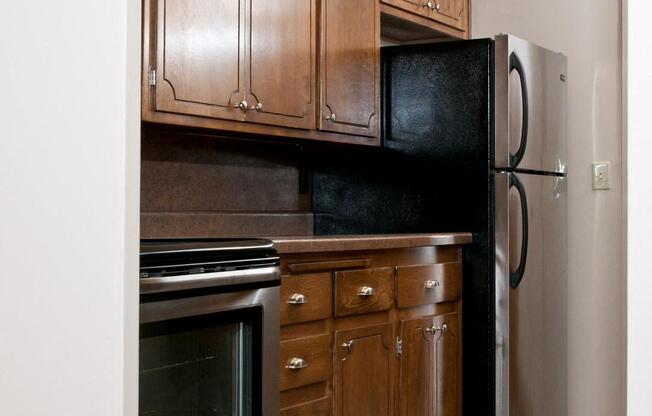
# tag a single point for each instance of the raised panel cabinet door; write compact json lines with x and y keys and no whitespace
{"x":200,"y":57}
{"x":452,"y":13}
{"x":448,"y":368}
{"x":364,"y":371}
{"x":417,"y":368}
{"x":420,"y":7}
{"x":350,"y":67}
{"x":282,"y":61}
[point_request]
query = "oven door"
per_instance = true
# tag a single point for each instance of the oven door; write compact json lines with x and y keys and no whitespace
{"x":210,"y":354}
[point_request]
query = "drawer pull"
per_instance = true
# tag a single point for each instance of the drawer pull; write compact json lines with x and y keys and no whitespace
{"x":431,"y":284}
{"x":297,"y":299}
{"x":296,"y":363}
{"x":366,"y":291}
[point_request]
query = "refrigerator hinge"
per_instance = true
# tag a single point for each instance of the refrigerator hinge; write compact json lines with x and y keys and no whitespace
{"x":151,"y":77}
{"x":399,"y":346}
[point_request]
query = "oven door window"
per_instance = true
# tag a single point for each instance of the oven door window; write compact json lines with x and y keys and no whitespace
{"x":202,"y":365}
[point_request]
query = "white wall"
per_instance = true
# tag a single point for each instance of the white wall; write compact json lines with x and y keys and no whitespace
{"x":639,"y":206}
{"x":69,"y":143}
{"x":588,"y":33}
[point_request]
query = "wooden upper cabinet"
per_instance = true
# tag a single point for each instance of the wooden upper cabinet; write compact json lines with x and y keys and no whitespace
{"x":282,"y":62}
{"x":430,"y":367}
{"x":244,"y":60}
{"x":350,"y":66}
{"x":364,"y":371}
{"x":198,"y":57}
{"x":453,"y":13}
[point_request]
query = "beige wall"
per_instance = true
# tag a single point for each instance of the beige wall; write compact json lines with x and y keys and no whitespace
{"x":589,"y":33}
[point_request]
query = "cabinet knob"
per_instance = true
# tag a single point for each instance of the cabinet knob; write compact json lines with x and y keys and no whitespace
{"x":258,"y":107}
{"x":431,"y":284}
{"x":366,"y":291}
{"x":436,"y":7}
{"x":427,"y":4}
{"x":297,"y":299}
{"x":296,"y":363}
{"x":433,"y":329}
{"x":331,"y":117}
{"x":242,"y":105}
{"x":444,"y":329}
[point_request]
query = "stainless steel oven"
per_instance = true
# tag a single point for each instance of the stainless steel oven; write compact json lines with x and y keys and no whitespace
{"x":209,"y":328}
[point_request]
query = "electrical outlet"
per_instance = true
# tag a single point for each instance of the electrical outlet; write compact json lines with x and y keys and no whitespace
{"x":601,"y":176}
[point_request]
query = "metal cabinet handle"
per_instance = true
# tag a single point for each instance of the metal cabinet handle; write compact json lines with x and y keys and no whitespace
{"x":258,"y":107}
{"x":365,"y":291}
{"x":331,"y":117}
{"x":296,"y":363}
{"x":436,"y":7}
{"x":297,"y":299}
{"x":427,"y":4}
{"x":242,"y":105}
{"x":349,"y":346}
{"x":431,"y":284}
{"x":432,"y":330}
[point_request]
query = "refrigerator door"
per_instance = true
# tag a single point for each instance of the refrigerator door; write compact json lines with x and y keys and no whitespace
{"x":534,"y":296}
{"x":530,"y":104}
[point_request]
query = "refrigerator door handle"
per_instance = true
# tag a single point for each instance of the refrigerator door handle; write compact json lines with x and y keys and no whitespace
{"x":516,"y":276}
{"x":516,"y":65}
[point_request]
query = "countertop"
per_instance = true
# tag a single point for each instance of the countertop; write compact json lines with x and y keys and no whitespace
{"x":334,"y":243}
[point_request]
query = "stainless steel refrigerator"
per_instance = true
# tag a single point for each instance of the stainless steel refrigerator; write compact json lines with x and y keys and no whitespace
{"x":474,"y":139}
{"x":530,"y":229}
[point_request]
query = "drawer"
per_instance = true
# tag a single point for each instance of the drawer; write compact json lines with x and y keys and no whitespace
{"x":306,"y":297}
{"x":428,"y":283}
{"x":320,"y":407}
{"x":305,"y":361}
{"x":363,"y":291}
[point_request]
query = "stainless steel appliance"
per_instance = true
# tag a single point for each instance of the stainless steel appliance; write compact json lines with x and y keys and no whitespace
{"x":530,"y":225}
{"x":474,"y":139}
{"x":209,"y":328}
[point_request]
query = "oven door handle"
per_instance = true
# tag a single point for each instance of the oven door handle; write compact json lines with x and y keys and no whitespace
{"x":151,"y":285}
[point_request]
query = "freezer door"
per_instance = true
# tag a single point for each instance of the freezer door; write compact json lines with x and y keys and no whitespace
{"x":530,"y":107}
{"x":536,"y":297}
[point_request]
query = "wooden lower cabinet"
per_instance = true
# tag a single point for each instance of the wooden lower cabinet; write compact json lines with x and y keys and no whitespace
{"x":363,"y":373}
{"x":430,"y":366}
{"x":373,"y":333}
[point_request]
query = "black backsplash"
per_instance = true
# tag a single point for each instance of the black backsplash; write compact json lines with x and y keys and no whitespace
{"x":433,"y":174}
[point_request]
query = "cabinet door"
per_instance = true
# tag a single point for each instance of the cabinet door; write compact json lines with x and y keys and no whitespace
{"x":419,"y":7}
{"x":350,"y":67}
{"x":452,"y":13}
{"x":282,"y":62}
{"x":447,"y":363}
{"x":430,"y":367}
{"x":199,"y":57}
{"x":364,"y":371}
{"x":417,"y":370}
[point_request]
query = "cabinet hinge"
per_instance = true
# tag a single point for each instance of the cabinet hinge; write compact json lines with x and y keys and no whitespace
{"x":399,"y":346}
{"x":151,"y":77}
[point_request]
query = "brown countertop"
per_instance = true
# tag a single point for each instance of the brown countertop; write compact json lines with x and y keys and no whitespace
{"x":314,"y":244}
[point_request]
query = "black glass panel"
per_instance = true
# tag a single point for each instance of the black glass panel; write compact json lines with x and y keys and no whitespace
{"x":200,"y":366}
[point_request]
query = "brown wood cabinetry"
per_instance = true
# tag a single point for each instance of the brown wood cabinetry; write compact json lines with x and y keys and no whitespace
{"x":411,"y":20}
{"x":244,"y":60}
{"x":363,"y":376}
{"x":430,"y":366}
{"x":394,"y":335}
{"x":350,"y":67}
